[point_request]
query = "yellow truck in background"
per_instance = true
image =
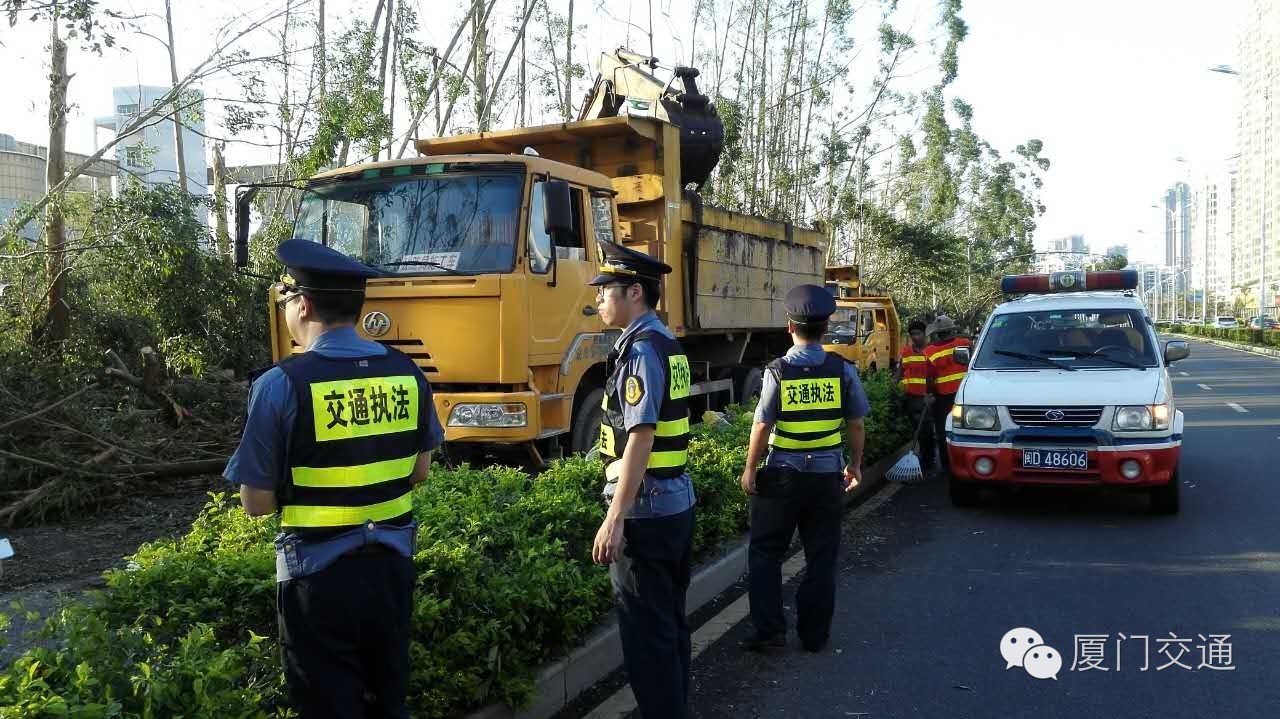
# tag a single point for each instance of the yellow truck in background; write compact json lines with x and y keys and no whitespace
{"x":865,"y":329}
{"x":488,"y":241}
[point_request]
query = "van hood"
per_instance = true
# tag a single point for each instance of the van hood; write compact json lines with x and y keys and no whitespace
{"x":1060,"y":387}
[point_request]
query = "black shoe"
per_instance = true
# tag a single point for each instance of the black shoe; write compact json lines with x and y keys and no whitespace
{"x":814,"y":646}
{"x":765,"y":643}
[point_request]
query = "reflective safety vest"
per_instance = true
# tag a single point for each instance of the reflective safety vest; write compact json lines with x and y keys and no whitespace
{"x":810,"y":405}
{"x":915,"y":372}
{"x":671,"y":436}
{"x":946,"y":372}
{"x":354,"y":443}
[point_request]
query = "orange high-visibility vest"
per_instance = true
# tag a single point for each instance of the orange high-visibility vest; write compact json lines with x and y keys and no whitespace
{"x":944,"y":369}
{"x":915,"y":372}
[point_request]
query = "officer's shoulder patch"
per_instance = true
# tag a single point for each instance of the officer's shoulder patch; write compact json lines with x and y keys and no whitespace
{"x":633,"y":390}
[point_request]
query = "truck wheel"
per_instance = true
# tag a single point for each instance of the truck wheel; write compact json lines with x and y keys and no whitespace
{"x":586,"y":422}
{"x":963,"y":494}
{"x":748,"y":382}
{"x":1164,"y":500}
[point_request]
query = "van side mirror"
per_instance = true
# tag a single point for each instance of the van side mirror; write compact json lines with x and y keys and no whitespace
{"x":244,"y":202}
{"x":1175,"y":350}
{"x":961,"y":355}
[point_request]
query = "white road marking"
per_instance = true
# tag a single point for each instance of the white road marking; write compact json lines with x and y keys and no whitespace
{"x":623,"y":701}
{"x":1205,"y":387}
{"x":1237,"y":408}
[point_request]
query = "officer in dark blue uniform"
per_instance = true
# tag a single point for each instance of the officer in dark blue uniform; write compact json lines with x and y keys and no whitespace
{"x":334,"y":441}
{"x":647,"y":533}
{"x":807,"y":397}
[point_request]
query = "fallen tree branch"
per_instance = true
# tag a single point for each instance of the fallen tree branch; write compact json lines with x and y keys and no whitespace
{"x":48,"y":407}
{"x":157,"y":396}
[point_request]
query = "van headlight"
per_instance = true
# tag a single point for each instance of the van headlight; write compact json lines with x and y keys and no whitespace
{"x":1142,"y":417}
{"x":489,"y":415}
{"x":975,"y":416}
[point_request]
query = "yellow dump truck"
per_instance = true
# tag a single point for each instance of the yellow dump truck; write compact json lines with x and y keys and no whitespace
{"x":865,"y":329}
{"x":488,"y":240}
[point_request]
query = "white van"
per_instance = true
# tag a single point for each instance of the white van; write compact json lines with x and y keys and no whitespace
{"x":1068,"y":385}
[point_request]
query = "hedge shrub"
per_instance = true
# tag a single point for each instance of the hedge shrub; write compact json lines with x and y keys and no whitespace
{"x":1242,"y":335}
{"x":505,"y":583}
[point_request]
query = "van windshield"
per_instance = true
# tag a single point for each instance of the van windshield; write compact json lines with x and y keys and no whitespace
{"x":1078,"y":338}
{"x":459,"y":223}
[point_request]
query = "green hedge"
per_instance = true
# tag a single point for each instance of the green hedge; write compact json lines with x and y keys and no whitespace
{"x":1243,"y":335}
{"x":505,"y":583}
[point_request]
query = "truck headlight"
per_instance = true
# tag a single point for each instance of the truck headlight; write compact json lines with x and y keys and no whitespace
{"x":489,"y":415}
{"x":1142,"y":417}
{"x":976,"y":416}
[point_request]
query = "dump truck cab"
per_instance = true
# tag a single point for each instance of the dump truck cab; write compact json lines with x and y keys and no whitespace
{"x":865,"y":329}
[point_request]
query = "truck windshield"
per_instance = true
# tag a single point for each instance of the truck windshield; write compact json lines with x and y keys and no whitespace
{"x":441,"y":224}
{"x":1079,"y":338}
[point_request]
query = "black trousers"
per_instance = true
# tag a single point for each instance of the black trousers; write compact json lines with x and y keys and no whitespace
{"x":344,"y":637}
{"x":942,"y":404}
{"x":649,"y":583}
{"x":916,"y":408}
{"x":784,"y":502}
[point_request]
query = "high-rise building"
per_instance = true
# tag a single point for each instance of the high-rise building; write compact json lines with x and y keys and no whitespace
{"x":1256,"y":240}
{"x":1211,"y":234}
{"x":150,"y":155}
{"x":1177,"y":225}
{"x":1063,"y":253}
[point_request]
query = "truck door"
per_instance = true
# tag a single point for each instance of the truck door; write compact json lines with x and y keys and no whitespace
{"x":557,"y":313}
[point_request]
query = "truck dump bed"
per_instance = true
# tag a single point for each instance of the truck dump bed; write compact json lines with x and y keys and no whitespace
{"x":731,"y":271}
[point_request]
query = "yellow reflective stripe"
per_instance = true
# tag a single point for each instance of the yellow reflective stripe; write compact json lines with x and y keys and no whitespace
{"x":912,"y":358}
{"x":949,"y":378}
{"x":360,"y":475}
{"x":913,"y":380}
{"x":788,"y":443}
{"x":657,"y":460}
{"x":673,"y":428}
{"x":364,"y":407}
{"x":816,"y":425}
{"x":302,"y":515}
{"x":672,"y":458}
{"x":942,"y":353}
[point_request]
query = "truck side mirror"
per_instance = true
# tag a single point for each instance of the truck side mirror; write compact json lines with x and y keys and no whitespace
{"x":557,"y":208}
{"x":1175,"y":350}
{"x":961,"y":355}
{"x":244,"y":200}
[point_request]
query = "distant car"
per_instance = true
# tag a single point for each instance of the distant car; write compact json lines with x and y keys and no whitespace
{"x":1263,"y":323}
{"x":1226,"y":323}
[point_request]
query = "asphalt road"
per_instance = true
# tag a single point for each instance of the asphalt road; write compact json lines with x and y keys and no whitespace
{"x":927,"y":591}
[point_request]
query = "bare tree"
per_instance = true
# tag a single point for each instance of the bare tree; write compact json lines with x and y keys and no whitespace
{"x":177,"y":117}
{"x":57,"y":322}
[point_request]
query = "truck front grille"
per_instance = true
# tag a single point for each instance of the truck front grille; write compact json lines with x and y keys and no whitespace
{"x":1055,"y":416}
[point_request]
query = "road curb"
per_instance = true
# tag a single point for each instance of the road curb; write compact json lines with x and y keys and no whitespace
{"x":1251,"y":349}
{"x":560,"y":682}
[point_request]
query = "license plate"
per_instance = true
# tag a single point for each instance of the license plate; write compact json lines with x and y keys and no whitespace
{"x":1070,"y":459}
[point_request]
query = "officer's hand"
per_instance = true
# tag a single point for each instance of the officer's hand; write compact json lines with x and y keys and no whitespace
{"x":749,"y":480}
{"x":852,"y":476}
{"x":608,"y":542}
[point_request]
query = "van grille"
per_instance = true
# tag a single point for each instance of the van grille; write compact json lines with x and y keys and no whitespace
{"x":1055,"y":416}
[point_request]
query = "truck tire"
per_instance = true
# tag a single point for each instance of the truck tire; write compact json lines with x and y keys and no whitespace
{"x":586,"y":422}
{"x":1164,"y":500}
{"x":747,"y":384}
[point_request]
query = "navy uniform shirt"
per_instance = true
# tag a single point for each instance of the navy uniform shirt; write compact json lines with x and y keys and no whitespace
{"x":660,"y":497}
{"x":854,"y":403}
{"x":259,"y":461}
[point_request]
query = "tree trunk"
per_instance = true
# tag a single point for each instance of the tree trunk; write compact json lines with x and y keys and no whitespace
{"x":322,"y":61}
{"x":506,"y":62}
{"x":567,"y":109}
{"x":57,"y":321}
{"x":382,"y":64}
{"x":345,"y":149}
{"x":479,"y":61}
{"x":438,"y":65}
{"x":222,"y":237}
{"x":391,"y":112}
{"x":177,"y":115}
{"x":435,"y":72}
{"x":523,"y":68}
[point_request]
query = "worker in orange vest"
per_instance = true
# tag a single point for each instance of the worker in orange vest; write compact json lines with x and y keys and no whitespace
{"x":944,"y":378}
{"x":913,"y":375}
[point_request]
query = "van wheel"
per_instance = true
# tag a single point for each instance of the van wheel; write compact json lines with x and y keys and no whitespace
{"x":748,"y":383}
{"x":586,"y":422}
{"x":963,"y":494}
{"x":1164,"y":500}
